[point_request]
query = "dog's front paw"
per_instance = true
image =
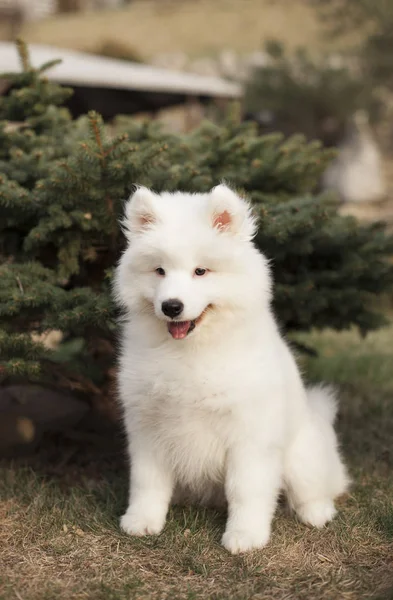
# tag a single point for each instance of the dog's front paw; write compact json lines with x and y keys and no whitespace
{"x":141,"y":524}
{"x":237,"y":541}
{"x":316,"y":513}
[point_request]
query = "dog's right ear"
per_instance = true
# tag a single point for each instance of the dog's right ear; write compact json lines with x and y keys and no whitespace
{"x":139,"y":212}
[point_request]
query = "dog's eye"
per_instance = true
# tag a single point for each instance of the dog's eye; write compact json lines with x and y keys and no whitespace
{"x":200,"y":272}
{"x":160,"y":271}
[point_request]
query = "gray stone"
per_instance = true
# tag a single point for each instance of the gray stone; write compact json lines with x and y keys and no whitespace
{"x":356,"y":175}
{"x":27,"y":411}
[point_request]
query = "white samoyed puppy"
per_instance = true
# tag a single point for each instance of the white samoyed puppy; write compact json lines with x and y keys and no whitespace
{"x":214,"y":406}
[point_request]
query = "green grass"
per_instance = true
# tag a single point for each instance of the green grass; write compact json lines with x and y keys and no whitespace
{"x":59,"y":535}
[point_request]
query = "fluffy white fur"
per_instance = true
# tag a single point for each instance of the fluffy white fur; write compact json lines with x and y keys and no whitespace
{"x":221,"y":414}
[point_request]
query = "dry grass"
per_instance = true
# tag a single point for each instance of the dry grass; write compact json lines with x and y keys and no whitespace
{"x":198,"y":27}
{"x":59,"y":536}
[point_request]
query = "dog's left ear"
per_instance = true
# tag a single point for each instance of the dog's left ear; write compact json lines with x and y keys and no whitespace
{"x":232,"y":214}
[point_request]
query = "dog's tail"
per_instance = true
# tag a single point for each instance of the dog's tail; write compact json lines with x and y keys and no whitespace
{"x":323,"y":401}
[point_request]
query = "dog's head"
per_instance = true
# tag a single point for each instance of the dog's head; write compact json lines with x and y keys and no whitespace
{"x":190,"y":259}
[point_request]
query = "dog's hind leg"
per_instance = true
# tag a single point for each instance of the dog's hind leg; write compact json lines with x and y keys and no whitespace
{"x":313,"y":471}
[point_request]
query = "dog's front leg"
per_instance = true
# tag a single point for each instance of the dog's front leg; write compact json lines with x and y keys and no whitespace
{"x":151,"y":489}
{"x":252,"y":485}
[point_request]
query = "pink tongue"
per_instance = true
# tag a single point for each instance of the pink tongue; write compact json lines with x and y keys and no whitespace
{"x":179,"y":329}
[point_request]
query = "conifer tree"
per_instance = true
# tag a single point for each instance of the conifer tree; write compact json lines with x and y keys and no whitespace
{"x":62,"y":190}
{"x":310,"y":94}
{"x":373,"y":19}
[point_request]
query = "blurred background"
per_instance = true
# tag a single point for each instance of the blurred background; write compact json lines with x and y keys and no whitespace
{"x":319,"y":67}
{"x":185,"y":88}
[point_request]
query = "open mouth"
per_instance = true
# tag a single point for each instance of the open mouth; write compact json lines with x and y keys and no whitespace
{"x":180,"y":329}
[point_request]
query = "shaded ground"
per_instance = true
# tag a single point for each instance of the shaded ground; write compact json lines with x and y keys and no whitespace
{"x":59,"y":535}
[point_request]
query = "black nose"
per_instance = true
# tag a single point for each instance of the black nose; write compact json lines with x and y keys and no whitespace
{"x":172,"y":308}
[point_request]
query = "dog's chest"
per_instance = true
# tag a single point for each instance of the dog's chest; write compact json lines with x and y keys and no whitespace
{"x":191,"y":419}
{"x":198,"y":403}
{"x":211,"y":380}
